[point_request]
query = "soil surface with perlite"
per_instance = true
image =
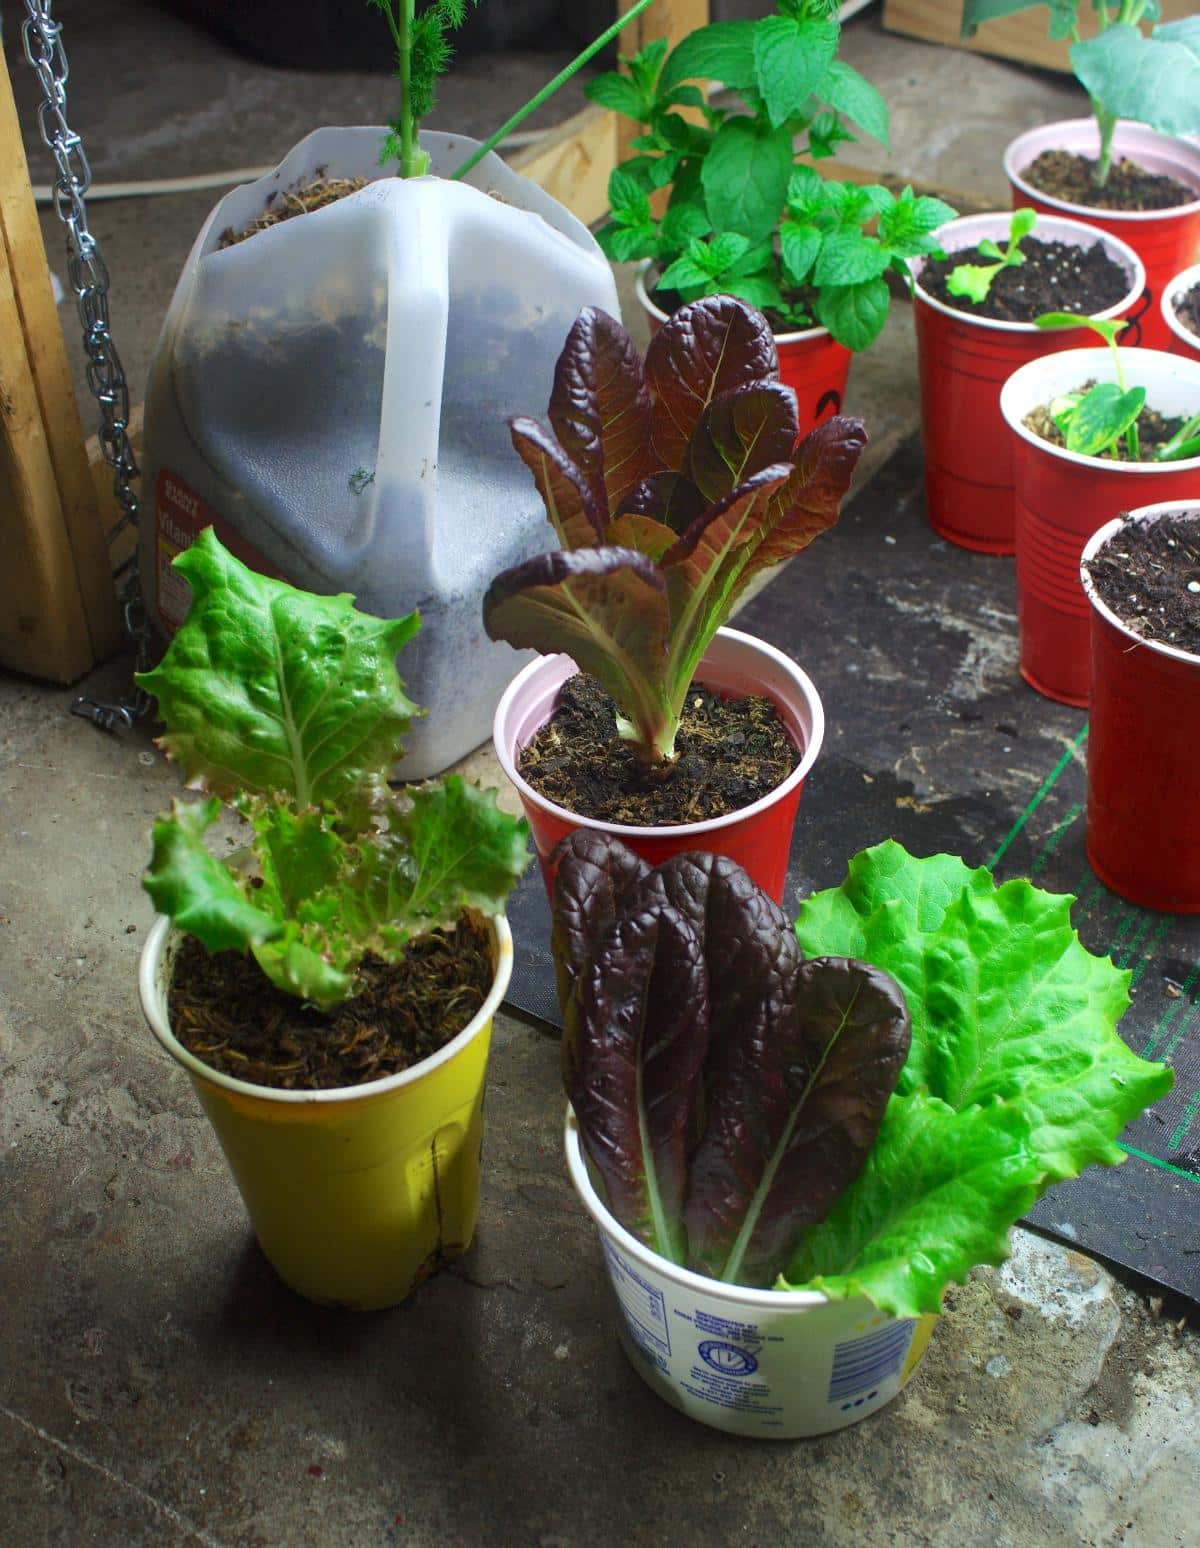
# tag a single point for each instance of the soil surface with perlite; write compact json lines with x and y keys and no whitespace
{"x":1148,"y":573}
{"x":1055,"y":277}
{"x":224,"y":1011}
{"x":1187,"y":309}
{"x":731,"y":753}
{"x":1067,"y":176}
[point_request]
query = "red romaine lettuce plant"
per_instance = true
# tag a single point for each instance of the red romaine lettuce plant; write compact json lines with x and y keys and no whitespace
{"x":288,"y":707}
{"x":670,"y":486}
{"x":736,"y":1101}
{"x":726,"y":1090}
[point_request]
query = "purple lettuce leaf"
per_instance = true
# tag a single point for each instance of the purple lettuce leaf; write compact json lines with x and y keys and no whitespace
{"x":705,"y":349}
{"x":636,"y":1075}
{"x":794,"y":1104}
{"x":600,"y":409}
{"x":668,"y":497}
{"x":739,"y":433}
{"x":577,"y":517}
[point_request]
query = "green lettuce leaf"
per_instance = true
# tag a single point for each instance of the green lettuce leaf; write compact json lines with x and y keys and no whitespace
{"x":1012,"y":1018}
{"x":937,"y":1196}
{"x":269,"y":689}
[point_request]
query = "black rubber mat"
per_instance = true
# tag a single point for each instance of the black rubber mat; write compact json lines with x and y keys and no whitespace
{"x":933,"y":739}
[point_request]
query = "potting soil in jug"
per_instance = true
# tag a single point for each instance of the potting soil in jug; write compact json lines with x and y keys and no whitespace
{"x":332,"y":395}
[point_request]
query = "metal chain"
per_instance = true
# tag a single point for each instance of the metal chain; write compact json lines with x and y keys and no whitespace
{"x":88,"y":277}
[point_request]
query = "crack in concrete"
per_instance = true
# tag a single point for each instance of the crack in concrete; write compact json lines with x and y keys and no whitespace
{"x":157,"y":1506}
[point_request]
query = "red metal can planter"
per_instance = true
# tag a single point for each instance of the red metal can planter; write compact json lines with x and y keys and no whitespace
{"x":1143,"y":806}
{"x":811,"y":362}
{"x":963,"y":361}
{"x":1165,"y":240}
{"x":758,"y":837}
{"x":1061,"y":496}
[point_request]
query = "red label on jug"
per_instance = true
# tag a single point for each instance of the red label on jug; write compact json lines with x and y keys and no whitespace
{"x":180,"y":515}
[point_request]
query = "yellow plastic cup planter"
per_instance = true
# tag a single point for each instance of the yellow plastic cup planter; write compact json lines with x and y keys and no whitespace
{"x":777,"y":1364}
{"x":356,"y":1194}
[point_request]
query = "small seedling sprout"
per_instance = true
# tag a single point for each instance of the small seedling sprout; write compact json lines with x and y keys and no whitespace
{"x":974,"y":280}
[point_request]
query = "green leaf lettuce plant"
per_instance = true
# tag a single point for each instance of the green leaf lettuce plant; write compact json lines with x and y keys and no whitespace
{"x":1151,"y":76}
{"x":863,"y":1105}
{"x":287,"y":708}
{"x":670,"y":485}
{"x":1094,"y":420}
{"x":744,"y":217}
{"x":974,"y":280}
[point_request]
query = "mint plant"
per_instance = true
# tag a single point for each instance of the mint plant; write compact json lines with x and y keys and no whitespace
{"x":744,"y":216}
{"x":1150,"y":76}
{"x":974,"y":280}
{"x":287,"y":707}
{"x":1093,"y":422}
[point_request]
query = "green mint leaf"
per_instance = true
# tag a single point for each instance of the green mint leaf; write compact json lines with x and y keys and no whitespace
{"x":627,"y":198}
{"x":906,"y":228}
{"x":1102,"y":415}
{"x":682,"y":96}
{"x":825,"y":134}
{"x":684,"y":274}
{"x":847,"y":258}
{"x":722,"y":51}
{"x":1152,"y":80}
{"x":792,"y":57}
{"x":760,"y":290}
{"x":852,"y":94}
{"x":192,"y":887}
{"x":745,"y":177}
{"x":620,"y":94}
{"x":854,"y":314}
{"x":645,"y":65}
{"x":266,"y":688}
{"x":799,"y":246}
{"x":806,"y":192}
{"x":722,"y":253}
{"x":627,"y":244}
{"x":681,"y":225}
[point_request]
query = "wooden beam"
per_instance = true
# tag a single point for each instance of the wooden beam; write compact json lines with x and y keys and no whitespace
{"x":58,"y":611}
{"x":573,"y":162}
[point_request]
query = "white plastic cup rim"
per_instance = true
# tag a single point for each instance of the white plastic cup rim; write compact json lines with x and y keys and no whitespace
{"x":1173,"y":291}
{"x":1054,"y":227}
{"x":806,"y":690}
{"x":1142,"y":514}
{"x":1126,"y":141}
{"x":800,"y":336}
{"x":701,"y":1284}
{"x":1019,"y":395}
{"x":155,"y":1010}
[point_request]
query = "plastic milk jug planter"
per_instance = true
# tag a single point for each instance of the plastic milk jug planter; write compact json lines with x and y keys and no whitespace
{"x":1143,"y":807}
{"x":1061,"y":496}
{"x":356,"y":1194}
{"x":1165,"y":240}
{"x":1182,"y":340}
{"x":769,"y":1363}
{"x":963,"y":362}
{"x":811,"y":362}
{"x":758,"y":837}
{"x":331,"y":396}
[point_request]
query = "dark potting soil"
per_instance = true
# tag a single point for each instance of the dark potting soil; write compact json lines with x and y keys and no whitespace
{"x":732,"y":752}
{"x":1065,"y":175}
{"x":669,"y":301}
{"x":1187,"y":309}
{"x":1154,"y":430}
{"x":225,"y":1012}
{"x":284,"y":203}
{"x":1148,"y":573}
{"x":1055,"y":277}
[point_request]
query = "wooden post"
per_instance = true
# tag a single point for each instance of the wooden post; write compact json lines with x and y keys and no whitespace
{"x":58,"y":612}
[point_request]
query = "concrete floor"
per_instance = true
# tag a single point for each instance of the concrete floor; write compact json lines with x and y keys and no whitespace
{"x":159,"y":1386}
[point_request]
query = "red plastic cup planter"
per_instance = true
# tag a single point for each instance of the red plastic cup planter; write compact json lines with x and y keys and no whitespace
{"x":1143,"y":804}
{"x":758,"y":837}
{"x":1060,"y":497}
{"x":963,"y":361}
{"x":811,"y":362}
{"x":1183,"y":340}
{"x":1165,"y":240}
